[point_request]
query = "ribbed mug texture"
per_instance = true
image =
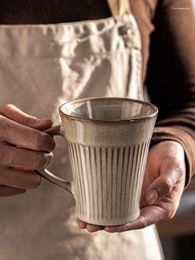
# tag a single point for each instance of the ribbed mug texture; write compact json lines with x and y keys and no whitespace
{"x":108,"y":162}
{"x":107,"y":182}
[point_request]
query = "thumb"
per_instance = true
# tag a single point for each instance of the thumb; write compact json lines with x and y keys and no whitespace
{"x":163,"y":185}
{"x":12,"y":112}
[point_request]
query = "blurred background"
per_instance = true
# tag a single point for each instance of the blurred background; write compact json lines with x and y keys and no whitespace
{"x":178,"y":235}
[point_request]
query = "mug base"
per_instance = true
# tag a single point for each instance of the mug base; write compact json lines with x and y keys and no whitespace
{"x":109,"y":222}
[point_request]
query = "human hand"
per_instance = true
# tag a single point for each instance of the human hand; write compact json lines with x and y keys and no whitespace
{"x":163,"y":186}
{"x":23,"y":150}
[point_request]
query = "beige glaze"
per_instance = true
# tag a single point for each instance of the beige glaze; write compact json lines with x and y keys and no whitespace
{"x":108,"y":140}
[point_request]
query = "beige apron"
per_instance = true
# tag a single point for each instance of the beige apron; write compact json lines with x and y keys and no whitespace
{"x":40,"y":67}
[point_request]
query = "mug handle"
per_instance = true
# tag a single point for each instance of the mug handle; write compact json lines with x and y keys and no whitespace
{"x":56,"y":130}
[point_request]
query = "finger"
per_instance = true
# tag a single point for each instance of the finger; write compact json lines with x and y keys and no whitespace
{"x":148,"y":216}
{"x":14,"y":133}
{"x":19,"y":179}
{"x":82,"y":224}
{"x":93,"y":228}
{"x":90,"y":227}
{"x":163,"y":185}
{"x":12,"y":112}
{"x":7,"y":191}
{"x":12,"y":156}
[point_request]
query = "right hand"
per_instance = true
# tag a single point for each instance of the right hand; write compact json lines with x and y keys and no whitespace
{"x":24,"y":148}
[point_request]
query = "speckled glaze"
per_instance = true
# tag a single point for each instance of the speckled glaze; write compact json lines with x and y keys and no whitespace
{"x":108,"y":141}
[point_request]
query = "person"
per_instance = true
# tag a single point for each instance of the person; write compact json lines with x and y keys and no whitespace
{"x":56,"y":50}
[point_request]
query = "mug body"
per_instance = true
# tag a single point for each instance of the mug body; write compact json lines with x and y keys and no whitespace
{"x":108,"y":141}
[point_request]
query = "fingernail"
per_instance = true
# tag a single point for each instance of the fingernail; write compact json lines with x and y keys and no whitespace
{"x":152,"y":196}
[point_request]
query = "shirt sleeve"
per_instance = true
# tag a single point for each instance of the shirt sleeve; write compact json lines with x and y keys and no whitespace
{"x":171,"y":76}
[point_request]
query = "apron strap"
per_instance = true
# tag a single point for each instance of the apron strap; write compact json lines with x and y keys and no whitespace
{"x":119,"y":7}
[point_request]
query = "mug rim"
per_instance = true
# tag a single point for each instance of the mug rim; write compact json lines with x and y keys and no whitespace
{"x":152,"y":115}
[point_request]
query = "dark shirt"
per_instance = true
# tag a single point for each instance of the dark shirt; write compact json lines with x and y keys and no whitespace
{"x":168,"y":34}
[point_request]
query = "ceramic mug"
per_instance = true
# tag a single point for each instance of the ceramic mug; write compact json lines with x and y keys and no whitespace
{"x":108,"y":141}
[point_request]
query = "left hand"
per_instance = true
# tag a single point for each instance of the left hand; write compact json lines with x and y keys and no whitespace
{"x":163,"y":186}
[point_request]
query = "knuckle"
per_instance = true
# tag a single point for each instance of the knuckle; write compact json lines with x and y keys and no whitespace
{"x":28,"y":120}
{"x":168,"y":185}
{"x":170,"y":181}
{"x":25,"y":121}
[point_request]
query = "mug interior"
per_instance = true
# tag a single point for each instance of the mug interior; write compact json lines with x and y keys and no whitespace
{"x":108,"y":109}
